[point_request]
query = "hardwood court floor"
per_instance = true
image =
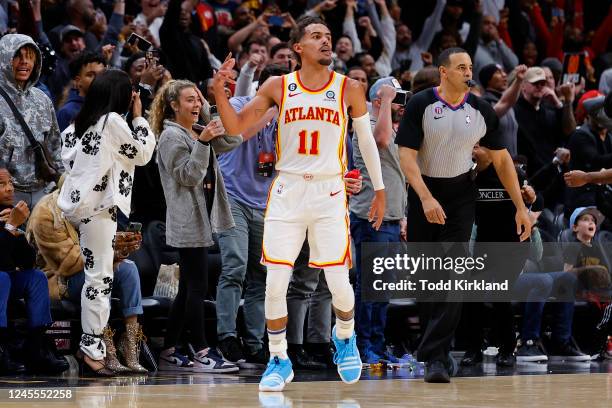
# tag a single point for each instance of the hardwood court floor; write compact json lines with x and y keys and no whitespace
{"x":586,"y":387}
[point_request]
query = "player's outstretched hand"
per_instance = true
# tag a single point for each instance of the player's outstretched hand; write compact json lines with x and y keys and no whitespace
{"x":377,"y":209}
{"x":224,"y":74}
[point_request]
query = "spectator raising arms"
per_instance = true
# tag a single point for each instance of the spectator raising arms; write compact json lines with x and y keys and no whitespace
{"x":186,"y":52}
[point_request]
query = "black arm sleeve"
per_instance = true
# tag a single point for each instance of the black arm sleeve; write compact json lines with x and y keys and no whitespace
{"x":492,"y":138}
{"x":410,"y":133}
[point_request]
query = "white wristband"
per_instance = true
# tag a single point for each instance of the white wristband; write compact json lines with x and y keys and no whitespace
{"x":10,"y":227}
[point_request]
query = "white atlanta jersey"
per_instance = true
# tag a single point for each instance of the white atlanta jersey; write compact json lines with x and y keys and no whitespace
{"x":312,"y":127}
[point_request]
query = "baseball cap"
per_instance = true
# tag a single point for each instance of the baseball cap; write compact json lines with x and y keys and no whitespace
{"x":70,"y":29}
{"x":589,"y":102}
{"x":580,"y":211}
{"x":392,"y":82}
{"x":535,"y":74}
{"x":487,"y":72}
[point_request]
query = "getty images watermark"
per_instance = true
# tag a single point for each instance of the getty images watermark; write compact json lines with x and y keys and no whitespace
{"x":481,"y":272}
{"x":411,"y":265}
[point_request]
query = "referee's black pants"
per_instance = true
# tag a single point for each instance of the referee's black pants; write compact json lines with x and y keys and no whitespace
{"x":457,"y":196}
{"x":495,"y":223}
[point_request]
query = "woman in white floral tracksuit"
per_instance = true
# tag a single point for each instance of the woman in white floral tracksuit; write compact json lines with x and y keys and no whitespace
{"x":100,"y":153}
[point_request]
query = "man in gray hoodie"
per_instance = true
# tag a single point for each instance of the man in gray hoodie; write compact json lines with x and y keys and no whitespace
{"x":20,"y":66}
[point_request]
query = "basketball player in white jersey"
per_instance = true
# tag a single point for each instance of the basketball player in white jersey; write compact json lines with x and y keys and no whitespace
{"x":308,"y":196}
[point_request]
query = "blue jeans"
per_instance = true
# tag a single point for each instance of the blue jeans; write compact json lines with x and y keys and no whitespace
{"x":240,"y":255}
{"x":539,"y":287}
{"x":31,"y":285}
{"x":126,"y":287}
{"x":370,"y":317}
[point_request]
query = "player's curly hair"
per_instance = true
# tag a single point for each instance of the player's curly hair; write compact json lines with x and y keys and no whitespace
{"x":300,"y":29}
{"x":161,"y":108}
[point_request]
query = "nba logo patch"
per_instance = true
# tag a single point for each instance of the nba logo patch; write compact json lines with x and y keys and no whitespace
{"x":468,"y":120}
{"x":438,"y":113}
{"x":279,"y":189}
{"x":292,"y":87}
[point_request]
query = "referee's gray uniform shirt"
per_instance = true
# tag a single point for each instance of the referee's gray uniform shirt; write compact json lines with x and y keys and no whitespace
{"x":445,"y":134}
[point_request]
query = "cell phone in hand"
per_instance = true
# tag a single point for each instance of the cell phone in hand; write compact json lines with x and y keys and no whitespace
{"x":152,"y":57}
{"x":401,"y":97}
{"x":197,"y":127}
{"x":276,"y":21}
{"x":134,"y":227}
{"x":214,"y":113}
{"x":140,"y":42}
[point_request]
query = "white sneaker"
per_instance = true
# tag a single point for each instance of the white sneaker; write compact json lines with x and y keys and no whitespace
{"x":208,"y":361}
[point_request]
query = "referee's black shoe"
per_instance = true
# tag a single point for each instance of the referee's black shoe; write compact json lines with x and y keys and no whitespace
{"x":436,"y":372}
{"x":471,"y":358}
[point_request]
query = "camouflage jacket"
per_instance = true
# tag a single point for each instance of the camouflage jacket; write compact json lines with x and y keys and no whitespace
{"x":37,"y":110}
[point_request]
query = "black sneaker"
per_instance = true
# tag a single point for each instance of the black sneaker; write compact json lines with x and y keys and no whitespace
{"x":231,"y":350}
{"x":8,"y":365}
{"x":302,"y":360}
{"x":436,"y":372}
{"x":322,"y":353}
{"x":261,"y":356}
{"x":530,"y":352}
{"x":567,"y":352}
{"x":505,"y":359}
{"x":471,"y":357}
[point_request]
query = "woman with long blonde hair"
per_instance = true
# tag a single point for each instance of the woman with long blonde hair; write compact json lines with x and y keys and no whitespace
{"x":197,"y":206}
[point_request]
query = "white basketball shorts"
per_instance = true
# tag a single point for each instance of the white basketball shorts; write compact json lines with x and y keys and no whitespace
{"x":307,"y":204}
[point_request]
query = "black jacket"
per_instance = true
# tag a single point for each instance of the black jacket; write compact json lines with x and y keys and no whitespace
{"x":15,"y":251}
{"x":589,"y":153}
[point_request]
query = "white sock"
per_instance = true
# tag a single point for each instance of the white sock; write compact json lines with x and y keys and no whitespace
{"x":277,"y":342}
{"x":344,"y":328}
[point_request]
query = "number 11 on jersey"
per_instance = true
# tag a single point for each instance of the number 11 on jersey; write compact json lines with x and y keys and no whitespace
{"x":314,"y":146}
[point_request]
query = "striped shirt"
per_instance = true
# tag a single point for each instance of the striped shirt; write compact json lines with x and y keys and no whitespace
{"x":445,"y":135}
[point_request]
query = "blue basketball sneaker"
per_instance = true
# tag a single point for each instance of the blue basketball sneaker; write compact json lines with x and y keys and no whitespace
{"x":278,"y":373}
{"x":347,"y":358}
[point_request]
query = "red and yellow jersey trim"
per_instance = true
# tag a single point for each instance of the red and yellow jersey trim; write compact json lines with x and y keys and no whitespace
{"x":266,"y":260}
{"x":346,"y":256}
{"x":304,"y":88}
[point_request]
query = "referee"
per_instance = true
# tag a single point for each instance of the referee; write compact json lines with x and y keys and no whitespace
{"x":438,"y":131}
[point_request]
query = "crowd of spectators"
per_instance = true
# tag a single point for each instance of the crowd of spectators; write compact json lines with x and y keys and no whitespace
{"x":51,"y":51}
